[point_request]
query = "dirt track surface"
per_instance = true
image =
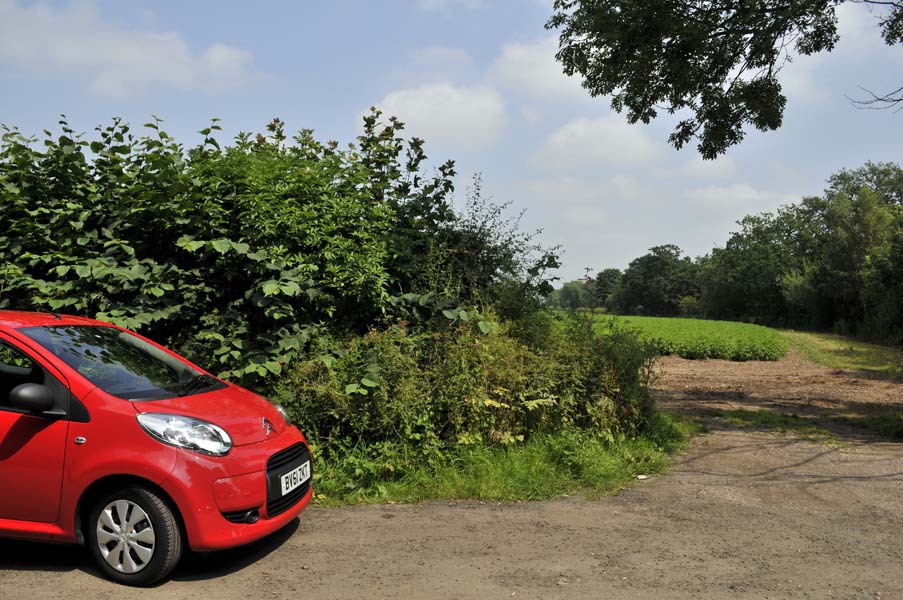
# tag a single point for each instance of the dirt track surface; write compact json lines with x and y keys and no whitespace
{"x":743,"y":514}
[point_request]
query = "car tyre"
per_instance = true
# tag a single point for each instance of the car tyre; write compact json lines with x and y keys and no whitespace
{"x":134,"y":536}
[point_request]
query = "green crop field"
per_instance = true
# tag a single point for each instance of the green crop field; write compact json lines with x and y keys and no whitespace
{"x":696,"y":338}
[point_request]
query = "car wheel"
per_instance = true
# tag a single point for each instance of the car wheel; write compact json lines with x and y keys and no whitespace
{"x":134,"y":536}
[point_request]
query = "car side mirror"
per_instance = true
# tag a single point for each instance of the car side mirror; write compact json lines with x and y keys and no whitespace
{"x":31,"y":397}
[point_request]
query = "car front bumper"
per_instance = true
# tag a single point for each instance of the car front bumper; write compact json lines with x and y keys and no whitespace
{"x":211,"y":493}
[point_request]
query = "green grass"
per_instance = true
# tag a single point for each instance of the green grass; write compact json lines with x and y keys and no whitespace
{"x":839,"y":352}
{"x":546,"y":466}
{"x":771,"y":420}
{"x":887,"y":424}
{"x":696,"y":338}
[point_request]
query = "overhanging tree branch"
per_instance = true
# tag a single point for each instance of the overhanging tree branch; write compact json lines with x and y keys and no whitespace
{"x":893,"y":99}
{"x":719,"y":59}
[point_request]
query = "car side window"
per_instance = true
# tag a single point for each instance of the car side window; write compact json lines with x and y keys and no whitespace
{"x":16,"y":368}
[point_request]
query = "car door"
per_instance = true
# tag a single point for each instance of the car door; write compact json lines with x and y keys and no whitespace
{"x":32,"y":447}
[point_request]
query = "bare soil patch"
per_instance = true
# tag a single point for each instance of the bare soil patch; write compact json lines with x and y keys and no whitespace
{"x":792,"y":386}
{"x":743,"y":514}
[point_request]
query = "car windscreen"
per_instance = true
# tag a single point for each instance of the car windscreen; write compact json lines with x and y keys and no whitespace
{"x":120,"y":363}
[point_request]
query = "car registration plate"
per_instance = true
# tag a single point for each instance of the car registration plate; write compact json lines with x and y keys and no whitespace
{"x":295,"y":477}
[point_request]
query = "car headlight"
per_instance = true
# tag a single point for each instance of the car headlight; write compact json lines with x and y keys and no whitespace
{"x":284,"y":413}
{"x":186,"y":432}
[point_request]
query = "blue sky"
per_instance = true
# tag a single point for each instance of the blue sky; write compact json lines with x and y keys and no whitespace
{"x":476,"y":78}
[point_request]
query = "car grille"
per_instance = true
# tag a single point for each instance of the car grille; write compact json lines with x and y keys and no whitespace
{"x":280,"y":463}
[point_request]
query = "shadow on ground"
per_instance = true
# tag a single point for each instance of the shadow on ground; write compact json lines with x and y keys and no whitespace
{"x":806,"y":413}
{"x":27,"y":556}
{"x":198,"y":567}
{"x":802,"y":468}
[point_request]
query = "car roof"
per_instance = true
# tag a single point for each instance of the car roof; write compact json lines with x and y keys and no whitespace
{"x":19,"y":318}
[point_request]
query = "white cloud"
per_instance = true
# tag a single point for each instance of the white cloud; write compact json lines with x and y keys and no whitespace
{"x":712,"y":212}
{"x":857,"y":25}
{"x":722,"y":168}
{"x":814,"y":77}
{"x":532,"y":69}
{"x":585,"y":216}
{"x":737,"y":198}
{"x":449,"y":5}
{"x":442,"y":113}
{"x":597,"y":142}
{"x":118,"y":61}
{"x":800,"y":79}
{"x":595,"y":219}
{"x":860,"y":34}
{"x":578,"y":203}
{"x":437,"y":63}
{"x":531,"y":115}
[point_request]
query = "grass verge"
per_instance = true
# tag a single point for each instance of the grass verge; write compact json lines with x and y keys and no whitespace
{"x":838,"y":352}
{"x":887,"y":424}
{"x":545,"y":466}
{"x":771,"y":420}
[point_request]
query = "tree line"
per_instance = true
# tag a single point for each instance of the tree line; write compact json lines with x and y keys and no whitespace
{"x":828,"y":262}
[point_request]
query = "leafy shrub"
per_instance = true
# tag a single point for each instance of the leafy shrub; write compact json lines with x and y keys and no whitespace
{"x":242,"y":250}
{"x":606,"y":372}
{"x":481,"y":256}
{"x":545,"y":466}
{"x":386,"y":403}
{"x":238,"y":256}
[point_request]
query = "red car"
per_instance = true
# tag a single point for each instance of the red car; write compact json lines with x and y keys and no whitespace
{"x":112,"y":441}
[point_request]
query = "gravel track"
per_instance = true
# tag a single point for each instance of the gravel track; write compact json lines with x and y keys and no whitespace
{"x":743,"y":514}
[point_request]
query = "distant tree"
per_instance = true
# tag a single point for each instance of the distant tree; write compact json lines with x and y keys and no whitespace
{"x":655,"y":283}
{"x":885,"y":179}
{"x":742,"y":280}
{"x":883,"y":291}
{"x":717,"y":61}
{"x":604,"y":285}
{"x":816,"y":263}
{"x":859,"y":220}
{"x":573,"y":295}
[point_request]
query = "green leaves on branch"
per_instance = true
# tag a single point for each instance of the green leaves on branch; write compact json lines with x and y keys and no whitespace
{"x":483,"y":324}
{"x":716,"y":62}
